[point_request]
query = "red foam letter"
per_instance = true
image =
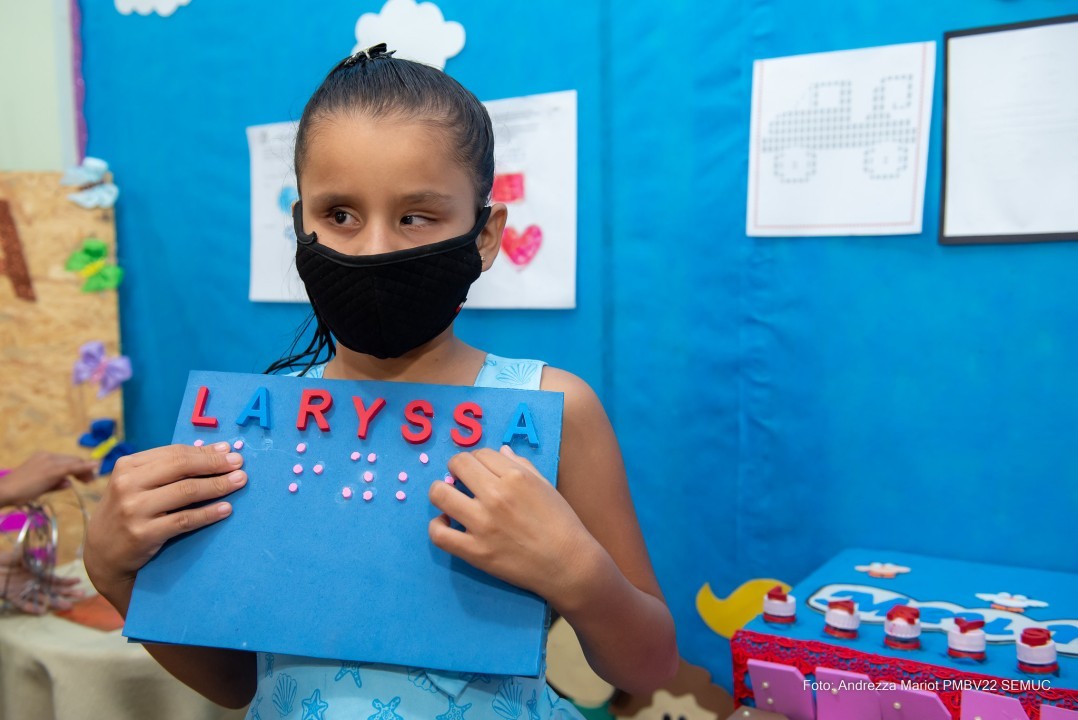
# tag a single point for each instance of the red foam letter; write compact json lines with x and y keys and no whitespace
{"x":198,"y":416}
{"x":466,"y":415}
{"x":418,"y":413}
{"x":307,"y":409}
{"x":366,"y":415}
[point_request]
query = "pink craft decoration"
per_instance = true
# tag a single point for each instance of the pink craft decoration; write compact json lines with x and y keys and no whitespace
{"x":423,"y":458}
{"x":198,"y":443}
{"x":346,"y":493}
{"x":850,"y":696}
{"x":450,"y":479}
{"x":318,"y":469}
{"x":367,"y":495}
{"x":355,"y":456}
{"x":301,"y":448}
{"x":986,"y":706}
{"x":401,"y":495}
{"x":368,"y":476}
{"x":238,"y":445}
{"x":521,"y":247}
{"x":371,"y":458}
{"x":912,"y":704}
{"x":293,"y":487}
{"x":781,"y":689}
{"x":403,"y":476}
{"x":297,"y":468}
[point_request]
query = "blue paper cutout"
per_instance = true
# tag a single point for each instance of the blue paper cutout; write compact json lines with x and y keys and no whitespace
{"x":523,"y":426}
{"x":319,"y":555}
{"x":257,"y":409}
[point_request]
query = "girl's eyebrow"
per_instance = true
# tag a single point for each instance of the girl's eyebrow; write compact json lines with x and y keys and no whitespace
{"x":427,"y":196}
{"x":330,"y":199}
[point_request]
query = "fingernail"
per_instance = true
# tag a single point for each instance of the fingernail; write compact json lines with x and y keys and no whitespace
{"x":222,"y":447}
{"x":234,"y":459}
{"x":224,"y":509}
{"x":506,"y":450}
{"x":237,"y":477}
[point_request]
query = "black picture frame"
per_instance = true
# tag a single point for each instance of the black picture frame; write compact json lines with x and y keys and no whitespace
{"x":945,"y":239}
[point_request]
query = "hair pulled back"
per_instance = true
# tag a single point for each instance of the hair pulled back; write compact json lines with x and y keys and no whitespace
{"x":375,"y":84}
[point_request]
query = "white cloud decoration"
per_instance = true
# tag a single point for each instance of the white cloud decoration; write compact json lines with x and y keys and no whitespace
{"x":164,"y":8}
{"x":417,"y":31}
{"x":1012,"y":601}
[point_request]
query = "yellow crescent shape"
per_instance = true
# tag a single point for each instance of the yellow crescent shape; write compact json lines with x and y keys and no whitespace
{"x":727,"y":615}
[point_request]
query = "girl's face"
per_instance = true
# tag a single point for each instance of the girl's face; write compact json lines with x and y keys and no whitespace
{"x":375,"y":185}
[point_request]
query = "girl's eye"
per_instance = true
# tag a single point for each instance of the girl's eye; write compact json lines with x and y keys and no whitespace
{"x":340,"y":217}
{"x":417,"y":220}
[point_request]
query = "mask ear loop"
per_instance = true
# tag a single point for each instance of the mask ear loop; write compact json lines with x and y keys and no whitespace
{"x":297,"y":224}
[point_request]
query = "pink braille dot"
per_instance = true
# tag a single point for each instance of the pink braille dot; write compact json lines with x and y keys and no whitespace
{"x":293,"y":487}
{"x":401,"y":495}
{"x":355,"y":456}
{"x":372,"y":457}
{"x":403,"y":477}
{"x":346,"y":493}
{"x":199,"y":443}
{"x":301,"y":448}
{"x":450,"y":479}
{"x":318,"y":469}
{"x":297,"y":468}
{"x":368,"y":476}
{"x":368,"y":495}
{"x":423,"y":458}
{"x":238,"y":445}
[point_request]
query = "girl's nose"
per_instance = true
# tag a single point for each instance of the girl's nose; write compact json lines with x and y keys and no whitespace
{"x":378,"y":237}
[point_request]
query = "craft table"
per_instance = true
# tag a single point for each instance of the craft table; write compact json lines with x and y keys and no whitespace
{"x":941,"y":590}
{"x":53,"y":668}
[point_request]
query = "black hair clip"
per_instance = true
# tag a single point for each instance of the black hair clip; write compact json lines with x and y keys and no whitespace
{"x":374,"y":51}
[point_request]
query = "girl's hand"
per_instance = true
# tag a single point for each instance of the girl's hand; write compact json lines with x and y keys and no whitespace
{"x":517,"y":527}
{"x":146,"y":504}
{"x":42,"y":472}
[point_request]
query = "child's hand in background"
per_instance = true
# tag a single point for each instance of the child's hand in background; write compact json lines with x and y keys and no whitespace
{"x":146,"y":504}
{"x":517,"y":527}
{"x":42,"y":472}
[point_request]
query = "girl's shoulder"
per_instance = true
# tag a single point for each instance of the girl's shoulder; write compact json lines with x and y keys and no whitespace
{"x":523,"y":374}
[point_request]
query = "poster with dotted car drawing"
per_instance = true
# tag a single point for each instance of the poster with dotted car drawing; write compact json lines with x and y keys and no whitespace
{"x":838,"y":142}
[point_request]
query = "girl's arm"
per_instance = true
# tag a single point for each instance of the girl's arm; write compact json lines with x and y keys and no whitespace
{"x":146,"y":504}
{"x":581,"y":549}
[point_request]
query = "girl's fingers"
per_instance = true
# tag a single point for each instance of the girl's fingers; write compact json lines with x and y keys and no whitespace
{"x":453,"y":541}
{"x":191,"y":490}
{"x":509,"y":453}
{"x":164,"y":528}
{"x":453,"y":502}
{"x":165,"y":465}
{"x":475,"y":474}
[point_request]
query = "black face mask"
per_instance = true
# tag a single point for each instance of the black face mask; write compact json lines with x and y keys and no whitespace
{"x":387,"y":304}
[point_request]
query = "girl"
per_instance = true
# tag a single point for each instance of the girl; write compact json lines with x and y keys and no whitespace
{"x":392,"y":158}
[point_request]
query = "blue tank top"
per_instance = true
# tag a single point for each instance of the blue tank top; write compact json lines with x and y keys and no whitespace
{"x":315,"y":689}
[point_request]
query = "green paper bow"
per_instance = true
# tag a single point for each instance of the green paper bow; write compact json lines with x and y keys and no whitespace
{"x":89,"y":262}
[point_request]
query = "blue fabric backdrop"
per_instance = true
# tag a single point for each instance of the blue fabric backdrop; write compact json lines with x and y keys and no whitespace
{"x":776,"y":399}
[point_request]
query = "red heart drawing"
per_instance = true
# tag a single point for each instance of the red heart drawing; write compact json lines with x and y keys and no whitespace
{"x":522,"y":247}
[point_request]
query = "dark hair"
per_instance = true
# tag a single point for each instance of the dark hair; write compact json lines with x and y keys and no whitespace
{"x":375,"y":83}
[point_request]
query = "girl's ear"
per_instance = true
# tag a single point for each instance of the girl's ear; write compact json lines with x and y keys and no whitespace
{"x":490,"y":237}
